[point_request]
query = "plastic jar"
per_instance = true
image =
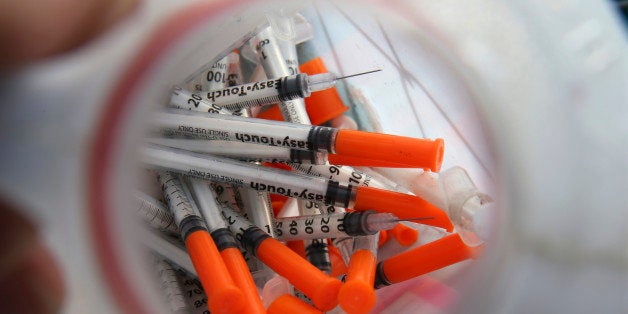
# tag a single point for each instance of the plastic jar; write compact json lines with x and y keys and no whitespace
{"x":535,"y":88}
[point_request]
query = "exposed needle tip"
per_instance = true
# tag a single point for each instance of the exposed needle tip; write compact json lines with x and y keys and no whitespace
{"x":362,"y":73}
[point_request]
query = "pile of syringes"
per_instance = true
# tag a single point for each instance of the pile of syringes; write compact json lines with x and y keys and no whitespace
{"x":258,"y":215}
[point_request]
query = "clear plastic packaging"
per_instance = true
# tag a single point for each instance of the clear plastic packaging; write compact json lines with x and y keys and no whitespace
{"x":469,"y":209}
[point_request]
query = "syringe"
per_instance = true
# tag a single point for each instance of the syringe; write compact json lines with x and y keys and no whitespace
{"x":259,"y":153}
{"x":226,"y":244}
{"x":222,"y":294}
{"x":273,"y":61}
{"x":274,"y":90}
{"x":256,"y":202}
{"x":292,"y":110}
{"x":244,"y":152}
{"x":334,"y":225}
{"x":286,"y":183}
{"x":392,"y":149}
{"x":319,"y":287}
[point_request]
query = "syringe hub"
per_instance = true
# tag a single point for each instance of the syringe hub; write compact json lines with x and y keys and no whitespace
{"x":318,"y":82}
{"x":368,"y":222}
{"x":380,"y":221}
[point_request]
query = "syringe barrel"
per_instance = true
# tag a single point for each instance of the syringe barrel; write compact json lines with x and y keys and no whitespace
{"x":186,"y":214}
{"x":237,"y":223}
{"x":270,"y":55}
{"x":259,"y":209}
{"x":183,"y":99}
{"x":274,"y":62}
{"x":244,"y":152}
{"x":169,"y":283}
{"x":173,"y":122}
{"x":310,"y":227}
{"x":241,"y":174}
{"x":342,"y":174}
{"x":155,"y":213}
{"x":177,"y":201}
{"x":259,"y":93}
{"x":206,"y":201}
{"x":329,"y":226}
{"x":216,"y":77}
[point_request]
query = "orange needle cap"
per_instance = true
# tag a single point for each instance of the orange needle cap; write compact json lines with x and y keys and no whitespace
{"x":405,"y":235}
{"x":383,"y":237}
{"x":291,"y":304}
{"x":222,"y":294}
{"x":426,"y":258}
{"x":242,"y":277}
{"x":357,"y":295}
{"x":318,"y":286}
{"x":421,"y":153}
{"x":404,"y":206}
{"x":355,"y":161}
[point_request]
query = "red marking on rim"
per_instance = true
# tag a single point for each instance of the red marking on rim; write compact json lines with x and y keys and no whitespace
{"x":102,"y":148}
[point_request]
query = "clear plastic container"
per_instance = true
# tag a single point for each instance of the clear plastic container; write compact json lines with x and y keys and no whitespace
{"x":529,"y":96}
